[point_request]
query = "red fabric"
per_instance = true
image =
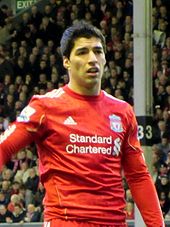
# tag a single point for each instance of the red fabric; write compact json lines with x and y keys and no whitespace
{"x":140,"y":181}
{"x":14,"y":138}
{"x":65,"y":223}
{"x":83,"y":143}
{"x":143,"y":190}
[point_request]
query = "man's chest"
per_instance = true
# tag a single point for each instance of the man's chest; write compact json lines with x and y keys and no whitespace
{"x":86,"y":129}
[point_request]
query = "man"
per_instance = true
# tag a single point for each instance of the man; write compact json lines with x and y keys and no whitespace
{"x":5,"y":215}
{"x":85,"y":138}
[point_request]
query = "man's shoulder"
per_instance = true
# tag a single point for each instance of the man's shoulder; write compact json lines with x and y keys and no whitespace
{"x":113,"y":99}
{"x":120,"y":104}
{"x":56,"y":93}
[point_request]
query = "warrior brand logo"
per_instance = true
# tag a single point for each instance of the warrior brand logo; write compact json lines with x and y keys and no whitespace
{"x":107,"y":145}
{"x":25,"y":114}
{"x":115,"y":123}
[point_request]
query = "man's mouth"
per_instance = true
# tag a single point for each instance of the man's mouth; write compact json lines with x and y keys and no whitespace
{"x":93,"y":70}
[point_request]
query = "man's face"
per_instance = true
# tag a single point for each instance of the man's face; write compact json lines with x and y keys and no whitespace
{"x":2,"y":210}
{"x":86,"y":64}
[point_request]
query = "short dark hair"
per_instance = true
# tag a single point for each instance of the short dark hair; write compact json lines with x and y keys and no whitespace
{"x":78,"y":30}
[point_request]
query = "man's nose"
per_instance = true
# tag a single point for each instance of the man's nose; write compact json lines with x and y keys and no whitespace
{"x":92,"y":57}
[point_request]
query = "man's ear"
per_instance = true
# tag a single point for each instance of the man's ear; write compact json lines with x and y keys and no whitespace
{"x":66,"y":63}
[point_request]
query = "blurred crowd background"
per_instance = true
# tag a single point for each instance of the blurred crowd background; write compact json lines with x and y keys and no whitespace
{"x":31,"y":63}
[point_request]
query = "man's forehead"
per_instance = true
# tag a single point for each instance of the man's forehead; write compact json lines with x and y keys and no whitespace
{"x":87,"y":42}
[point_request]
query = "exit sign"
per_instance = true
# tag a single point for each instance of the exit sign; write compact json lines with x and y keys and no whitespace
{"x":23,"y":4}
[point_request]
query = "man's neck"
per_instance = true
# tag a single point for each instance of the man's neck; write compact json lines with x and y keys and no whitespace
{"x":89,"y":91}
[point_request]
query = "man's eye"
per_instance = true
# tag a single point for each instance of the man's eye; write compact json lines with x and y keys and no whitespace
{"x":98,"y":51}
{"x":82,"y":52}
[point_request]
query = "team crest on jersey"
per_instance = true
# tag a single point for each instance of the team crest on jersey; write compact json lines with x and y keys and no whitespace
{"x":115,"y":123}
{"x":25,"y":114}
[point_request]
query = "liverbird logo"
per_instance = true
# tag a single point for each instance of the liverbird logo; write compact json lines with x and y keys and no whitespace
{"x":115,"y":123}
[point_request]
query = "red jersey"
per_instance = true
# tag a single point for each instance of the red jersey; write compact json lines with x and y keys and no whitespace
{"x":83,"y":143}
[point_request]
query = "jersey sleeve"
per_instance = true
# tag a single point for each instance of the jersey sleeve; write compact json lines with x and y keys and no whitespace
{"x":138,"y":177}
{"x":27,"y":127}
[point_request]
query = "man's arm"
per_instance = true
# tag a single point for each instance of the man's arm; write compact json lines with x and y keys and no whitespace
{"x":12,"y":140}
{"x":138,"y":176}
{"x":23,"y":131}
{"x":143,"y":189}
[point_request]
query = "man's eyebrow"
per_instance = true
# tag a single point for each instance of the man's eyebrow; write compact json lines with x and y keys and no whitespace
{"x":98,"y":48}
{"x":86,"y":48}
{"x":81,"y":49}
